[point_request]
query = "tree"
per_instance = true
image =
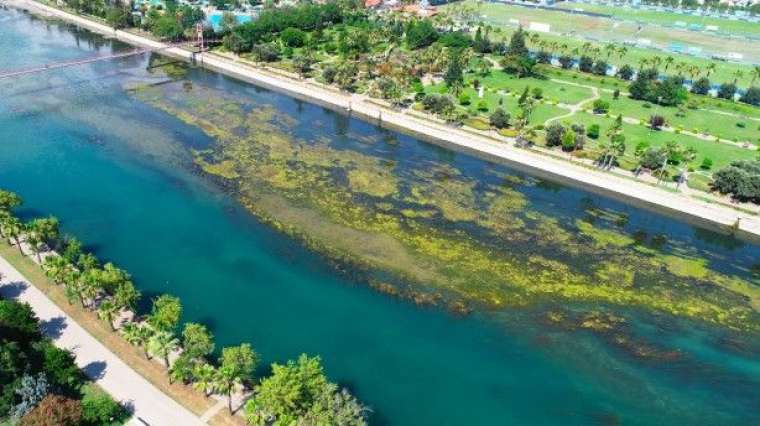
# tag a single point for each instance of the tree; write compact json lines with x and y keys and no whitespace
{"x":669,"y":92}
{"x":197,"y":341}
{"x":420,"y":33}
{"x":293,"y":37}
{"x":727,"y":91}
{"x":98,"y":408}
{"x":237,"y":366}
{"x":298,"y":391}
{"x":499,"y":118}
{"x":31,"y":390}
{"x":138,"y":335}
{"x":56,"y":268}
{"x":454,"y":77}
{"x":585,"y":63}
{"x":126,"y":295}
{"x":517,"y":45}
{"x":166,"y":312}
{"x":554,"y":134}
{"x":600,"y":68}
{"x":163,"y":343}
{"x":60,"y":367}
{"x":625,"y":72}
{"x":54,"y":410}
{"x":107,"y":310}
{"x":701,"y":86}
{"x":182,"y":369}
{"x":740,"y":179}
{"x":204,"y":376}
{"x":13,"y":228}
{"x":9,"y":200}
{"x":18,"y":322}
{"x":593,"y":131}
{"x":566,"y":61}
{"x":119,"y":17}
{"x":518,"y":60}
{"x":229,"y":22}
{"x":41,"y":232}
{"x":656,"y":122}
{"x":751,"y":96}
{"x":568,"y":140}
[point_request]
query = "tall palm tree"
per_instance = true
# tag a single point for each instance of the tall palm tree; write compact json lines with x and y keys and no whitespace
{"x":622,"y":51}
{"x":755,"y":74}
{"x":668,"y":61}
{"x":204,"y":378}
{"x":225,"y":382}
{"x":56,"y":268}
{"x":737,"y":75}
{"x":710,"y":69}
{"x":609,"y":49}
{"x":13,"y":228}
{"x":163,"y":343}
{"x":107,"y":310}
{"x":71,"y":285}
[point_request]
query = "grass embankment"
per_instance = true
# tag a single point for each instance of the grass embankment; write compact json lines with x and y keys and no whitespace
{"x":131,"y":355}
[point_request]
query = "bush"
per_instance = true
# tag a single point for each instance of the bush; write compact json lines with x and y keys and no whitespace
{"x":566,"y":61}
{"x":456,"y":39}
{"x":568,"y":141}
{"x":751,"y":96}
{"x":741,"y":125}
{"x":100,"y":409}
{"x":554,"y":134}
{"x":740,"y":179}
{"x":707,"y":164}
{"x":601,"y":107}
{"x":585,"y":63}
{"x":420,"y":33}
{"x":537,"y":93}
{"x":625,"y":72}
{"x":464,"y":99}
{"x":600,"y":68}
{"x":616,"y":94}
{"x":499,"y":118}
{"x":593,"y":131}
{"x":701,"y":86}
{"x":439,"y":104}
{"x":656,"y":122}
{"x":54,"y":410}
{"x":727,"y":91}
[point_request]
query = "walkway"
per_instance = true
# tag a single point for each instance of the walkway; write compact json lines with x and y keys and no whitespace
{"x":150,"y":405}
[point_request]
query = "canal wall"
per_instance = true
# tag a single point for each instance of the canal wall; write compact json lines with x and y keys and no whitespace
{"x":628,"y":190}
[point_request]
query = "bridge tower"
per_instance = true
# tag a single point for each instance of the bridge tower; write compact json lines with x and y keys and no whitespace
{"x":199,"y":36}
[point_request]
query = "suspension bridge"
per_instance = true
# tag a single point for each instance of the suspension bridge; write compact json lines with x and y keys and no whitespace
{"x":78,"y":62}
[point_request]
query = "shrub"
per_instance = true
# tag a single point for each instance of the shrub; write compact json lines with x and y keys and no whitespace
{"x":727,"y":91}
{"x":439,"y":104}
{"x":566,"y":62}
{"x":499,"y":118}
{"x":543,"y":57}
{"x":593,"y":131}
{"x":293,"y":37}
{"x":601,"y":107}
{"x":625,"y":72}
{"x":100,"y":409}
{"x":741,"y":125}
{"x":701,"y":86}
{"x":464,"y":99}
{"x":707,"y":164}
{"x":600,"y":68}
{"x":54,"y":410}
{"x":751,"y":96}
{"x":537,"y":93}
{"x":656,"y":122}
{"x":616,"y":94}
{"x":554,"y":134}
{"x":741,"y":179}
{"x":482,"y":106}
{"x":568,"y":140}
{"x":585,"y":63}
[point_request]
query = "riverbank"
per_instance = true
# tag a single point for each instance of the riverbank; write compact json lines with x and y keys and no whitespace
{"x":683,"y":206}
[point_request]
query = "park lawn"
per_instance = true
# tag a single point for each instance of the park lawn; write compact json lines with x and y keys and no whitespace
{"x":720,"y":153}
{"x":574,"y":76}
{"x":541,"y":112}
{"x":694,"y":120}
{"x":666,"y":18}
{"x":552,"y":91}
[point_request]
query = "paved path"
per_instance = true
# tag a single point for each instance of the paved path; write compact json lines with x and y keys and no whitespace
{"x":151,"y":406}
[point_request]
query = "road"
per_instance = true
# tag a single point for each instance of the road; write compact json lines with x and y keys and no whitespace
{"x":150,"y":405}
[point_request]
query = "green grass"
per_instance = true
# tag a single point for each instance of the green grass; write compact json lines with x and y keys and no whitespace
{"x":693,"y":120}
{"x":499,"y":80}
{"x":666,"y":18}
{"x":576,"y":27}
{"x":720,"y":153}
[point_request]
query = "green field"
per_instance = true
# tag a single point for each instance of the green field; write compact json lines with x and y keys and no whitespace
{"x":666,"y":18}
{"x":579,"y":29}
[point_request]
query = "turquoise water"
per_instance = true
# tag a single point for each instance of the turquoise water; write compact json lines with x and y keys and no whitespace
{"x":119,"y":175}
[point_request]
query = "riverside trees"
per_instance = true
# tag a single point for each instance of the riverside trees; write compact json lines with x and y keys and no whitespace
{"x":109,"y":290}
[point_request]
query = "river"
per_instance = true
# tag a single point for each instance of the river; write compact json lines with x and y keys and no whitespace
{"x":441,"y":289}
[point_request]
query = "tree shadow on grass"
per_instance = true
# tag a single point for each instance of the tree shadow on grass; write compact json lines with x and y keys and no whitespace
{"x":95,"y":370}
{"x":53,"y":327}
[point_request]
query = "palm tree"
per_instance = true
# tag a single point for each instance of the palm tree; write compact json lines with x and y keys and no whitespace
{"x":655,"y":62}
{"x":737,"y":75}
{"x":13,"y":228}
{"x":755,"y":74}
{"x":710,"y":69}
{"x":204,"y":376}
{"x":622,"y":51}
{"x":668,"y":61}
{"x":56,"y":268}
{"x":163,"y":343}
{"x":225,"y":382}
{"x":138,"y":335}
{"x":71,"y":285}
{"x":610,"y":49}
{"x":107,"y":310}
{"x":643,"y":62}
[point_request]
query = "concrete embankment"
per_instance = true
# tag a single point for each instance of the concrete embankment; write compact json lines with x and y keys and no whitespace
{"x":681,"y":206}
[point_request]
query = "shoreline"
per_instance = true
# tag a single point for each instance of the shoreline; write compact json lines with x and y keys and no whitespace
{"x":638,"y":194}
